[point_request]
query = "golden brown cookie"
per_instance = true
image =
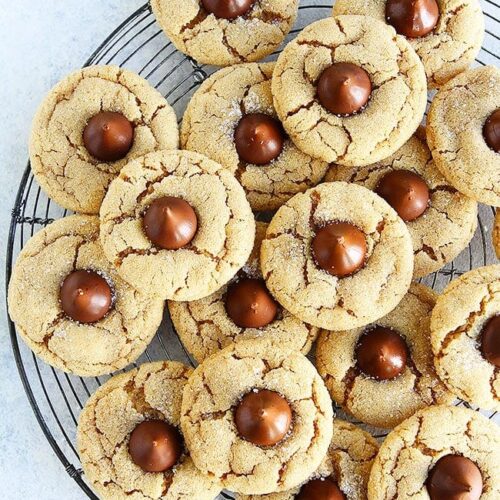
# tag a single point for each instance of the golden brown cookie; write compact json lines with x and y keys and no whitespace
{"x":213,"y":33}
{"x":384,"y":393}
{"x":347,"y":465}
{"x":446,"y":50}
{"x":150,"y":393}
{"x":48,"y":260}
{"x":445,"y":219}
{"x":61,"y":163}
{"x":411,"y":451}
{"x":456,"y":127}
{"x":370,"y":133}
{"x":222,"y":241}
{"x":220,"y":107}
{"x":205,"y":326}
{"x":250,"y":451}
{"x":465,"y":329}
{"x":306,"y":288}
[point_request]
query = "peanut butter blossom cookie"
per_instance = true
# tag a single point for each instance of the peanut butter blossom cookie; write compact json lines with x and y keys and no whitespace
{"x":441,"y":452}
{"x":129,"y":440}
{"x":231,"y":119}
{"x":384,"y":373}
{"x":463,"y":131}
{"x":343,"y":473}
{"x":176,"y":225}
{"x":225,"y":32}
{"x":466,"y":337}
{"x":349,"y":90}
{"x":441,"y":220}
{"x":338,"y":256}
{"x":258,"y":419}
{"x":243,"y":308}
{"x":89,"y":125}
{"x":72,"y":308}
{"x":446,"y":34}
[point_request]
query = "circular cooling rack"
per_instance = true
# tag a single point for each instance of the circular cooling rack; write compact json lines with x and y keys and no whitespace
{"x":140,"y":45}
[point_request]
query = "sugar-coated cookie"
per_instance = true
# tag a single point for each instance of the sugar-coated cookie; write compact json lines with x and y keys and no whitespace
{"x":337,"y":256}
{"x":90,"y":124}
{"x":446,"y":34}
{"x":176,"y":225}
{"x":70,"y":305}
{"x":348,"y":90}
{"x":129,"y":440}
{"x":462,"y":132}
{"x":224,"y":33}
{"x":465,"y":337}
{"x":496,"y":233}
{"x":243,"y":308}
{"x":258,"y":419}
{"x":383,"y":373}
{"x":232,"y":120}
{"x":441,"y":220}
{"x":440,"y":452}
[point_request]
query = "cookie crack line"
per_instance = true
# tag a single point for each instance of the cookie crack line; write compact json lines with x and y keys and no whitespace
{"x":464,"y":328}
{"x":119,"y":75}
{"x":133,"y":392}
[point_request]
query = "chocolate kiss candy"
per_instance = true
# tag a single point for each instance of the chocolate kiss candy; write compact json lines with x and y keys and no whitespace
{"x":263,"y":418}
{"x":491,"y":131}
{"x":155,"y":445}
{"x":258,"y":139}
{"x":170,"y":223}
{"x":490,"y":340}
{"x":321,"y":489}
{"x":344,"y":88}
{"x":406,"y":192}
{"x":412,"y":18}
{"x":454,"y":477}
{"x":381,"y":353}
{"x":108,"y":136}
{"x":339,"y":248}
{"x":249,"y":304}
{"x":227,"y":9}
{"x":85,"y":296}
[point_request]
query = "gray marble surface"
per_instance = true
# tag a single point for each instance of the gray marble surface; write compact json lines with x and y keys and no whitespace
{"x":40,"y":41}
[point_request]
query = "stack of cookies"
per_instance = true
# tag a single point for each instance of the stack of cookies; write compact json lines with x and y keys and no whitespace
{"x":327,"y":146}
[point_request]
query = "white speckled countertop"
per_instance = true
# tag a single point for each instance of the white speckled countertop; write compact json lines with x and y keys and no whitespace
{"x":40,"y":41}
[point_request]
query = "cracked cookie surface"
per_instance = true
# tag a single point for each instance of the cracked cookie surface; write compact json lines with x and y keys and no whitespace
{"x":348,"y":461}
{"x":449,"y":49}
{"x":413,"y":448}
{"x":396,"y":105}
{"x":59,"y":159}
{"x":70,"y":244}
{"x":312,"y":294}
{"x":205,"y":327}
{"x":153,"y":391}
{"x":465,"y":306}
{"x":211,"y":396}
{"x":222,"y":42}
{"x":455,"y":133}
{"x":496,"y":233}
{"x":449,"y":222}
{"x":223,"y":241}
{"x":385,"y":403}
{"x":211,"y":119}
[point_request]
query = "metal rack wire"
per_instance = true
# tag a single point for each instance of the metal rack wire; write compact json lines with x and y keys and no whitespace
{"x":139,"y":44}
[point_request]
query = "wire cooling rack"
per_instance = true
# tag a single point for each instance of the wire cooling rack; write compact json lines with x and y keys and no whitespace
{"x":139,"y":44}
